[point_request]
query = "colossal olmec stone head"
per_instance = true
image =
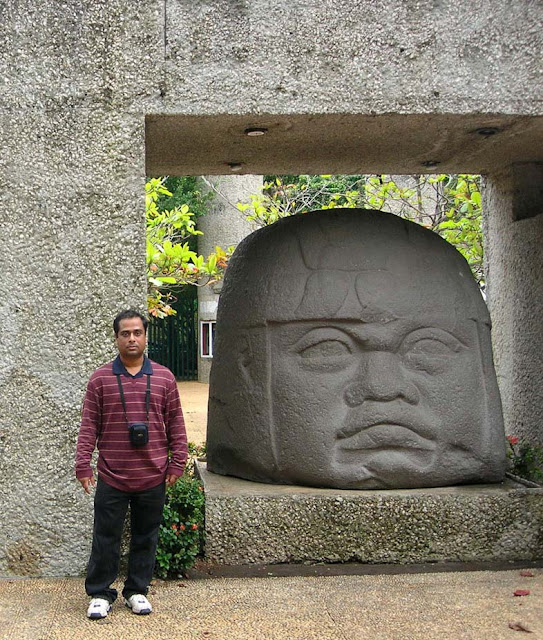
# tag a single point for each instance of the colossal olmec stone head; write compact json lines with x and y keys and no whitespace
{"x":353,"y":351}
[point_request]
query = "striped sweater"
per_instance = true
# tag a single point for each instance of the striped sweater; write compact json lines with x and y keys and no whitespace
{"x":103,"y":424}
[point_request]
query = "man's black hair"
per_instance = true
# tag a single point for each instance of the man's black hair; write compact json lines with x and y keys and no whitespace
{"x":129,"y":313}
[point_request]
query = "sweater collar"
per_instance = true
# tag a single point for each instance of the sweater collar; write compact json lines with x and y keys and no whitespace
{"x":120,"y":369}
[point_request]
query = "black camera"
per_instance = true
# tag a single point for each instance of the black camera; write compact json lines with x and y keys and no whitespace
{"x":139,"y":434}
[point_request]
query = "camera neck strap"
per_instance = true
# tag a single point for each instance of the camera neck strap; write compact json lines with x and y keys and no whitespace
{"x":147,"y":396}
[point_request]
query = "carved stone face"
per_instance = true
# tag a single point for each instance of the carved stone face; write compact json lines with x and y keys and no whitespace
{"x":372,"y":369}
{"x":378,"y":404}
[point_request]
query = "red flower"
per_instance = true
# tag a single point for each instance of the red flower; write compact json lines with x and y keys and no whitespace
{"x":182,"y":527}
{"x":194,"y":527}
{"x":174,"y":527}
{"x":512,"y":440}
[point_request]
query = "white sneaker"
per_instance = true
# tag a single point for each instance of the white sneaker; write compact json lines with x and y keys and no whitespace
{"x":98,"y":608}
{"x":139,"y":604}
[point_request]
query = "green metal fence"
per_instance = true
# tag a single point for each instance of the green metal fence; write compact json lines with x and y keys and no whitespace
{"x":173,"y":341}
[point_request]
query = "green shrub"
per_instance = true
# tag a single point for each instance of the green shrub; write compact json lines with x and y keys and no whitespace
{"x":181,"y":534}
{"x":526,"y":459}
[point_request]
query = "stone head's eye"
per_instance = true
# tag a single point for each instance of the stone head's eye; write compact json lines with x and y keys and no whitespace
{"x":431,"y":347}
{"x":429,"y":353}
{"x":326,"y":349}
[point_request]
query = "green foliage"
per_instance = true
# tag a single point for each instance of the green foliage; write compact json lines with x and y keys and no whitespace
{"x":448,"y":204}
{"x":462,"y":226}
{"x":181,"y":534}
{"x":290,"y":195}
{"x":185,"y":190}
{"x":195,"y":451}
{"x":171,"y":258}
{"x":526,"y":459}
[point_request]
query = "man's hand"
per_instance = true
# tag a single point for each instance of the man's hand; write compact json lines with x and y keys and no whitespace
{"x":171,"y":479}
{"x":86,"y":482}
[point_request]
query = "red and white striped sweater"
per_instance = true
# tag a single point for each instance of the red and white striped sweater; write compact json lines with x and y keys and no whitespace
{"x":103,"y":424}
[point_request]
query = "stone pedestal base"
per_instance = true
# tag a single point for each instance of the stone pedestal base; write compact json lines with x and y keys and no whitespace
{"x":253,"y":523}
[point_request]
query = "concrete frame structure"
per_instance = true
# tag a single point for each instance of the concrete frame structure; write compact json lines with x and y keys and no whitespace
{"x":94,"y":94}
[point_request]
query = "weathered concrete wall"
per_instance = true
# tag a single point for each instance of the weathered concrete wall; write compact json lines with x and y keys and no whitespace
{"x":76,"y":77}
{"x":348,"y":86}
{"x":91,"y":88}
{"x":345,"y":56}
{"x":515,"y":294}
{"x":226,"y":226}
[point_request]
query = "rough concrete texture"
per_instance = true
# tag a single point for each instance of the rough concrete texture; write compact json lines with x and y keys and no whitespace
{"x":249,"y":522}
{"x":444,"y":606}
{"x":225,"y":225}
{"x":375,"y":85}
{"x":76,"y":78}
{"x":348,"y":57}
{"x":515,"y":298}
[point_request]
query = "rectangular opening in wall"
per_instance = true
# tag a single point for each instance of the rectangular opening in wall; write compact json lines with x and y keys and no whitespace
{"x":207,"y":338}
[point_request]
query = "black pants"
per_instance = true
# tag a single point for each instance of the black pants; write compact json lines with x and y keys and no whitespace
{"x":110,"y":507}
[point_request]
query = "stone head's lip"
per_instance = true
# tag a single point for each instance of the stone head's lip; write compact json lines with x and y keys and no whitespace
{"x":394,"y":416}
{"x":384,"y":435}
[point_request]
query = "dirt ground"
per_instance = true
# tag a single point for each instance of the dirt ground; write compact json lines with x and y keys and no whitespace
{"x":194,"y":397}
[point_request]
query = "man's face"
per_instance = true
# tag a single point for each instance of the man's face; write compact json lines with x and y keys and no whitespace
{"x":392,"y":400}
{"x":131,"y":338}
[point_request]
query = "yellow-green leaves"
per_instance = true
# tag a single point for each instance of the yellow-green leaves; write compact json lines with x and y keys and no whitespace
{"x":171,"y":262}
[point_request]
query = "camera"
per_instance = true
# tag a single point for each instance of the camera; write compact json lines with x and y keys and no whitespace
{"x":139,"y":434}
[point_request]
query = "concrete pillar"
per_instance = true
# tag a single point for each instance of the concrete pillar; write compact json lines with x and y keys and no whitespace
{"x":224,"y":225}
{"x":513,"y":225}
{"x":72,"y":220}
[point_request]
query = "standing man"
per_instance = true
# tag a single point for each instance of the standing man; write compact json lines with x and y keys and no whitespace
{"x":133,"y":415}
